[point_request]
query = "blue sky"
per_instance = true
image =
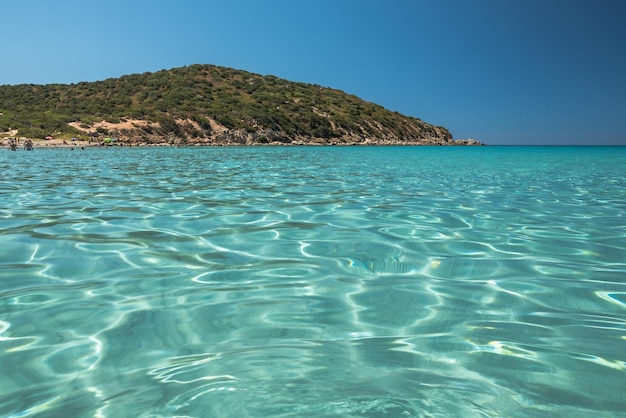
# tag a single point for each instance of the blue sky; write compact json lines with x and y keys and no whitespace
{"x":500,"y":71}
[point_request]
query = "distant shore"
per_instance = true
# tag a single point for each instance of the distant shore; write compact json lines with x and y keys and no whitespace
{"x":70,"y":144}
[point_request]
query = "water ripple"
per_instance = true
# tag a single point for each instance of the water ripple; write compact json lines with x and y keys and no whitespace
{"x":290,"y":282}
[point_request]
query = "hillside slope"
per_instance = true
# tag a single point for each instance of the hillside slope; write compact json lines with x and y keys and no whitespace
{"x":207,"y":105}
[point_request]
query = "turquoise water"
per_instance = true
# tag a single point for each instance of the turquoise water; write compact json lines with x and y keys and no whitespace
{"x":313,"y":282}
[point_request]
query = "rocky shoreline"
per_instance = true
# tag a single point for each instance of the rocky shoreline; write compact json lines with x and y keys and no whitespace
{"x":130,"y":135}
{"x":59,"y":143}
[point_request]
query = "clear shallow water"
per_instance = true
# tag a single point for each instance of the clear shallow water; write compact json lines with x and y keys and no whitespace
{"x":318,"y":282}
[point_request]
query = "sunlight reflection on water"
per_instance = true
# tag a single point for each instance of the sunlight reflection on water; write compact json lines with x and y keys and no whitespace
{"x":388,"y":281}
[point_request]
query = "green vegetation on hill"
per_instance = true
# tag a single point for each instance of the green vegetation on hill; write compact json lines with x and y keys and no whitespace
{"x":192,"y":102}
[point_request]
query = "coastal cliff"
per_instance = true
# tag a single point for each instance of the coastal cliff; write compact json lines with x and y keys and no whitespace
{"x":208,"y":105}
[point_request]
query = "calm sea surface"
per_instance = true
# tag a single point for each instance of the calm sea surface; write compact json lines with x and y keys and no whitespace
{"x":313,"y":282}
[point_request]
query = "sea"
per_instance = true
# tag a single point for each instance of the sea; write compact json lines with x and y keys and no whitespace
{"x":313,"y":282}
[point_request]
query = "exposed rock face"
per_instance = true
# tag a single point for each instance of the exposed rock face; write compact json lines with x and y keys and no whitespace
{"x":468,"y":141}
{"x":132,"y":132}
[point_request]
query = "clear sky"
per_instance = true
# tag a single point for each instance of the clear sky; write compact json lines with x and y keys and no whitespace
{"x":500,"y":71}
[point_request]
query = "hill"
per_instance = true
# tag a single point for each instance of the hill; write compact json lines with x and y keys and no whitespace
{"x":207,"y":105}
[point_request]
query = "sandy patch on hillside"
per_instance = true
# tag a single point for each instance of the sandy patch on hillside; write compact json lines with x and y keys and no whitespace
{"x":127,"y":124}
{"x":131,"y":124}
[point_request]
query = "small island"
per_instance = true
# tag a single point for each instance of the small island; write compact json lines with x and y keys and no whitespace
{"x":204,"y":105}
